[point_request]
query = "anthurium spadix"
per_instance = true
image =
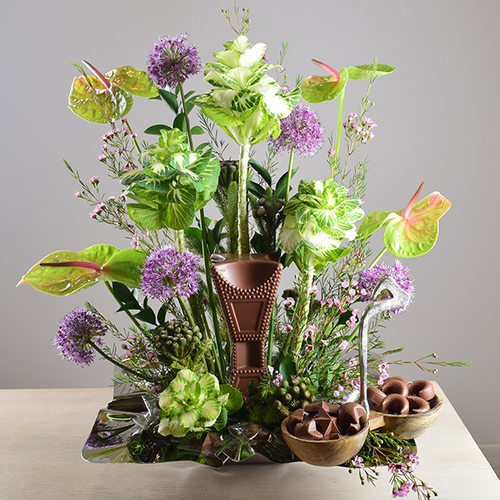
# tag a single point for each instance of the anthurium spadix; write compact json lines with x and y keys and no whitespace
{"x":100,"y":97}
{"x":412,"y":231}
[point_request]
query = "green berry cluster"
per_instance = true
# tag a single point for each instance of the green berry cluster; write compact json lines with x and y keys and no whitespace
{"x":268,"y":207}
{"x":175,"y":341}
{"x":281,"y":400}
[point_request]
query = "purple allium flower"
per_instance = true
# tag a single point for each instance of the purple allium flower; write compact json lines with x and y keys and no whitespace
{"x":302,"y":130}
{"x":369,"y":278}
{"x":167,"y":273}
{"x":172,"y":61}
{"x":76,"y":329}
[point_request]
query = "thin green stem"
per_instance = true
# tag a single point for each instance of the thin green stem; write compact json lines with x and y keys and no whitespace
{"x":289,"y":175}
{"x":270,"y":338}
{"x":134,"y":138}
{"x":128,"y":313}
{"x":140,"y":376}
{"x":220,"y":359}
{"x":243,"y":237}
{"x":186,"y":117}
{"x":339,"y":131}
{"x":377,"y":258}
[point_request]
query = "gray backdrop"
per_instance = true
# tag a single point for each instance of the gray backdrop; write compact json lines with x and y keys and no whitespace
{"x":438,"y":121}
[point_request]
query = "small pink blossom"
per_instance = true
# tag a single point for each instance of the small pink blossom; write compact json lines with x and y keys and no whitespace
{"x":343,"y":345}
{"x":289,"y":302}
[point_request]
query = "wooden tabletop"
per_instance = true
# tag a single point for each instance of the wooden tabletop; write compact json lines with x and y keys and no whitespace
{"x":42,"y":432}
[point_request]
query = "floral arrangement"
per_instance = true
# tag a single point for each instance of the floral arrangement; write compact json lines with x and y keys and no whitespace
{"x":175,"y":357}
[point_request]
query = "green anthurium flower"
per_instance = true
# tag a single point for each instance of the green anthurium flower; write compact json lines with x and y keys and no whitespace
{"x":245,"y":102}
{"x":64,"y":272}
{"x":194,"y":404}
{"x":319,"y":217}
{"x":412,"y":231}
{"x":101,"y":97}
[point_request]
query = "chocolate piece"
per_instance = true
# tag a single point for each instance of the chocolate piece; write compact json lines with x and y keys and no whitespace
{"x":375,"y":394}
{"x":324,"y":425}
{"x":418,"y":405}
{"x":313,"y":407}
{"x":296,"y":417}
{"x":349,"y":413}
{"x":354,"y":429}
{"x":308,"y":431}
{"x":396,"y":404}
{"x":323,"y":410}
{"x":422,"y":388}
{"x":333,"y":409}
{"x":334,"y":435}
{"x":396,"y":385}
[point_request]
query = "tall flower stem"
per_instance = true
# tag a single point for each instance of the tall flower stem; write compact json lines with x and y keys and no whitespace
{"x":220,"y":357}
{"x":186,"y":117}
{"x":339,"y":133}
{"x":128,"y":313}
{"x":270,"y":338}
{"x":289,"y":175}
{"x":243,"y":237}
{"x":134,"y":138}
{"x":377,"y":258}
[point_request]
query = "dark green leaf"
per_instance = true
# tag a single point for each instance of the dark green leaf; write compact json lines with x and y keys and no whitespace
{"x":257,"y":242}
{"x":281,"y":184}
{"x":128,"y":306}
{"x":180,"y":122}
{"x":155,"y":129}
{"x":219,"y":226}
{"x":162,"y":313}
{"x":261,"y":171}
{"x":146,"y":315}
{"x":197,"y":130}
{"x":287,"y":367}
{"x":221,"y":420}
{"x":169,"y":99}
{"x":122,"y":293}
{"x":256,"y":189}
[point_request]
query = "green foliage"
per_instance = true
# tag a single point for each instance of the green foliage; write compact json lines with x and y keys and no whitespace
{"x":173,"y":185}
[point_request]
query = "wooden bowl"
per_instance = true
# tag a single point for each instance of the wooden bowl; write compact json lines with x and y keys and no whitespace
{"x":326,"y":453}
{"x":407,"y":426}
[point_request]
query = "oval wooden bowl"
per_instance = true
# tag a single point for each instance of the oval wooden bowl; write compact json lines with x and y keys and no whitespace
{"x":325,"y":453}
{"x":407,"y":426}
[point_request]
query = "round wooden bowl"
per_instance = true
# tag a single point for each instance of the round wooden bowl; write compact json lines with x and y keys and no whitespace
{"x":407,"y":426}
{"x":326,"y":453}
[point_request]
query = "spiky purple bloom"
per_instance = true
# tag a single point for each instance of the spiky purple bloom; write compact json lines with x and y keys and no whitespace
{"x":302,"y":130}
{"x":167,"y":273}
{"x":369,"y":278}
{"x":76,"y":329}
{"x":172,"y":61}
